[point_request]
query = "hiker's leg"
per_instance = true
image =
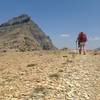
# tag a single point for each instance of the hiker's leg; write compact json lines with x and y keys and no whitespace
{"x":84,"y":49}
{"x":80,"y":50}
{"x":79,"y":46}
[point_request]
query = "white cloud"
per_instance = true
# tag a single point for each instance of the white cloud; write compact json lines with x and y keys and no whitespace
{"x":94,"y":38}
{"x":65,"y":35}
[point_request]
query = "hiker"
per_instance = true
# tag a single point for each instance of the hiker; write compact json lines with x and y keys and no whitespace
{"x":81,"y":41}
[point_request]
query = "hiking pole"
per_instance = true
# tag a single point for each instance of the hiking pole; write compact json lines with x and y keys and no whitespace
{"x":76,"y":47}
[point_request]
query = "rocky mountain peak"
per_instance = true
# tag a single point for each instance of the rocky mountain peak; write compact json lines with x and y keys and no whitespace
{"x":24,"y":18}
{"x":23,"y":34}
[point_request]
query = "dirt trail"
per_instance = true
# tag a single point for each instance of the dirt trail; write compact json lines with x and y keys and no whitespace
{"x":55,"y":75}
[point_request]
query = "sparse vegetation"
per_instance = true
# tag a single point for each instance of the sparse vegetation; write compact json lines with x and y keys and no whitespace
{"x":39,"y":92}
{"x":55,"y":75}
{"x":31,"y":65}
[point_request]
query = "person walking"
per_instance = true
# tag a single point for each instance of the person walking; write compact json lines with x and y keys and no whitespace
{"x":81,"y":42}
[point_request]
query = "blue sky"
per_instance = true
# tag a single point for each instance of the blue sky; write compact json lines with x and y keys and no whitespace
{"x":62,"y":20}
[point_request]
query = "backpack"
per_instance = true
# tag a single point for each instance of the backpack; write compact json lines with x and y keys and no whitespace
{"x":82,"y":37}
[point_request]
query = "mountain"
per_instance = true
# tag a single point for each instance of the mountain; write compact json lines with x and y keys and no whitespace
{"x":98,"y":49}
{"x":22,"y":34}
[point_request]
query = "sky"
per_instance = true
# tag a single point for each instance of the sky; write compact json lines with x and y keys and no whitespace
{"x":62,"y":20}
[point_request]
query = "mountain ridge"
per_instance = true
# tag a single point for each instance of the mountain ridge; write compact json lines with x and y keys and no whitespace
{"x":23,"y":34}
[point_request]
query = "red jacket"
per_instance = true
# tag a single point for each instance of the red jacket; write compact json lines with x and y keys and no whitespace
{"x":82,"y":37}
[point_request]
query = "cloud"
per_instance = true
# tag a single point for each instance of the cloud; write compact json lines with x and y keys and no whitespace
{"x":65,"y":35}
{"x":94,"y":38}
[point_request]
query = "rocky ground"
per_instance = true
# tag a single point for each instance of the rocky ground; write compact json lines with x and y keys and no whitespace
{"x":49,"y":75}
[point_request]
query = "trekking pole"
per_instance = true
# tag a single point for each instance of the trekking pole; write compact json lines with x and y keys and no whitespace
{"x":76,"y":47}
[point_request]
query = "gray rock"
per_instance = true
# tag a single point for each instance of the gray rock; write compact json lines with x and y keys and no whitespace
{"x":22,"y":34}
